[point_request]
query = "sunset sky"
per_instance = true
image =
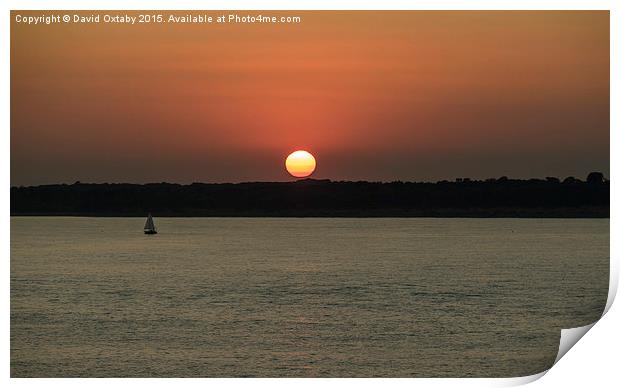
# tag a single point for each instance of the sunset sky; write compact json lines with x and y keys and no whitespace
{"x":372,"y":95}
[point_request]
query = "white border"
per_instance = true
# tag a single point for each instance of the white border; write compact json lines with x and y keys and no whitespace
{"x":593,"y":362}
{"x":313,"y":5}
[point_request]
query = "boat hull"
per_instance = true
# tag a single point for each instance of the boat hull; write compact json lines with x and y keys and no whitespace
{"x":150,"y":232}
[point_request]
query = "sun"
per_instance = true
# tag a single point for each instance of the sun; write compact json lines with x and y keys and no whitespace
{"x":300,"y":164}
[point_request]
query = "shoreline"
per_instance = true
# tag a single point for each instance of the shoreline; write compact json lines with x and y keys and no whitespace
{"x":524,"y":215}
{"x":499,"y":198}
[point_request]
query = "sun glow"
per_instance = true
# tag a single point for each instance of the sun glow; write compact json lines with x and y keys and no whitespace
{"x":300,"y":164}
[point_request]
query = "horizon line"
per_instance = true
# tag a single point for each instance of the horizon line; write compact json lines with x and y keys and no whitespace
{"x":504,"y":178}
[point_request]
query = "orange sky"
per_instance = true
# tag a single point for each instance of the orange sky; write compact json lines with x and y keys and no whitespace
{"x":373,"y":95}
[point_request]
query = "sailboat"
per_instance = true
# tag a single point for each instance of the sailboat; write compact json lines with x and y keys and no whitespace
{"x":149,"y":226}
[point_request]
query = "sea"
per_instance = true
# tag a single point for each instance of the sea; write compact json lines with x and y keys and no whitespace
{"x":300,"y":297}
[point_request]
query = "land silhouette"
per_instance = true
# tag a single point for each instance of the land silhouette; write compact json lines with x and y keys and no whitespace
{"x":502,"y":197}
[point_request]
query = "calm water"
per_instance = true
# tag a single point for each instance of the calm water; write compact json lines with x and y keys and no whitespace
{"x":300,"y":297}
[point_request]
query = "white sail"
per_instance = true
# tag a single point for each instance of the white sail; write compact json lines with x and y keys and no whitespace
{"x":149,"y":225}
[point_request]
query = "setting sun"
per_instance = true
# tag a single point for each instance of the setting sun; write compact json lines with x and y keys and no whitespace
{"x":300,"y":164}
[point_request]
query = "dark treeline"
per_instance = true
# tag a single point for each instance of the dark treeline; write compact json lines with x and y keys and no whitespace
{"x":501,"y":197}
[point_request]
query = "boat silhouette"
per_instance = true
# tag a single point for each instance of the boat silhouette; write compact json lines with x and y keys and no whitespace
{"x":149,"y":226}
